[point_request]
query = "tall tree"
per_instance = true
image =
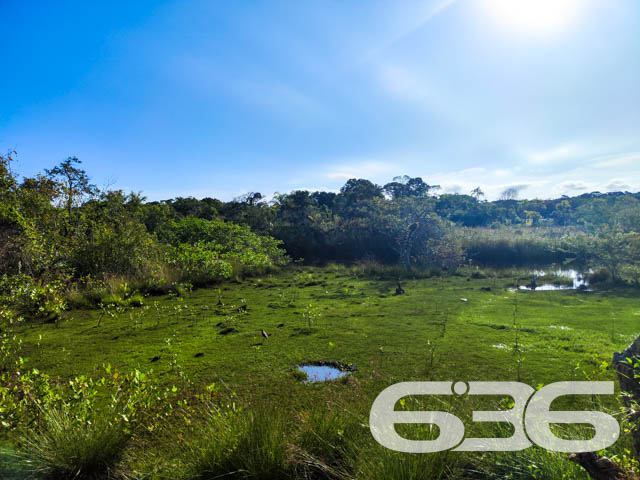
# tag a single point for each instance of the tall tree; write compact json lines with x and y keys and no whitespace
{"x":74,"y":182}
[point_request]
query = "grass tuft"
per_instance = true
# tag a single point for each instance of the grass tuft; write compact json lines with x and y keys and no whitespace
{"x":65,"y":446}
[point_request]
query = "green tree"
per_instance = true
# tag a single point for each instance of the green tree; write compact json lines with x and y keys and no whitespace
{"x":74,"y":183}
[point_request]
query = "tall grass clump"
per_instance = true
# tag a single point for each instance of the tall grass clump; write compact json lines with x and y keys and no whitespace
{"x":67,"y":446}
{"x":533,"y":463}
{"x":248,"y":445}
{"x":380,"y":463}
{"x":326,"y":444}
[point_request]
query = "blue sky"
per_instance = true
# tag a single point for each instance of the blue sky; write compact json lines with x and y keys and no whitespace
{"x":210,"y":98}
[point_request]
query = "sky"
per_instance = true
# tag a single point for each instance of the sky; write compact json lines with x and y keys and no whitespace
{"x":204,"y":98}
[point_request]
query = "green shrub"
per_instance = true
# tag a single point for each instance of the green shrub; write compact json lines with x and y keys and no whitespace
{"x":135,"y":300}
{"x":113,"y":299}
{"x":77,"y":299}
{"x":31,"y":298}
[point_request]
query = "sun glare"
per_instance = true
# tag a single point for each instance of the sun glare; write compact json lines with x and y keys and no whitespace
{"x":533,"y":16}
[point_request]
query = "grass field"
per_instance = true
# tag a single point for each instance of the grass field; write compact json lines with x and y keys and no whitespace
{"x":457,"y":327}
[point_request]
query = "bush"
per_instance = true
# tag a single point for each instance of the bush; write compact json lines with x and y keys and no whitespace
{"x":135,"y":300}
{"x":33,"y":299}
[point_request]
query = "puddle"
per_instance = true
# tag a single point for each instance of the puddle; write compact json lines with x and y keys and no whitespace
{"x":323,"y":372}
{"x":577,"y":279}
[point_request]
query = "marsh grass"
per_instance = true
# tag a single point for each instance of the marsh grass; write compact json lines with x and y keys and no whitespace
{"x":327,"y":443}
{"x":65,"y":446}
{"x":308,"y":438}
{"x":246,"y":445}
{"x":378,"y":463}
{"x":532,"y":464}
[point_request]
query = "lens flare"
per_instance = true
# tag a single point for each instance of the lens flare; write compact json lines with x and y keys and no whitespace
{"x":533,"y":16}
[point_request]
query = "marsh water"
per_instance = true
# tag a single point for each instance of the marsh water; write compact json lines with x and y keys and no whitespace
{"x":317,"y":373}
{"x":577,"y":278}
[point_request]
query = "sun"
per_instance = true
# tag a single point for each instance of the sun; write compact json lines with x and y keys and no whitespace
{"x":533,"y":16}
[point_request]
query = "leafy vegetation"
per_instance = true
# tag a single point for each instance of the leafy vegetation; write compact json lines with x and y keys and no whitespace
{"x":395,"y":281}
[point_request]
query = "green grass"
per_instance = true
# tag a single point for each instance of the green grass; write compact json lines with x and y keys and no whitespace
{"x":350,"y":316}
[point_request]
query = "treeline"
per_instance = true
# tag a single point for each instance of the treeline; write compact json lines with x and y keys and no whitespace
{"x":406,"y":221}
{"x":58,"y":230}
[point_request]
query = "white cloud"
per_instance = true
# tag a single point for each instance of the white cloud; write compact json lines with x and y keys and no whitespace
{"x":573,"y":186}
{"x":452,"y":188}
{"x":554,"y":155}
{"x":619,"y":160}
{"x":374,"y":170}
{"x":554,"y":180}
{"x":617,"y":185}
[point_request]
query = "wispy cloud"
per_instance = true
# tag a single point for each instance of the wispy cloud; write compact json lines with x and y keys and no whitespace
{"x":618,"y":160}
{"x":375,"y":170}
{"x":427,"y":11}
{"x":573,"y":186}
{"x":417,"y":89}
{"x":555,"y":155}
{"x":618,"y":185}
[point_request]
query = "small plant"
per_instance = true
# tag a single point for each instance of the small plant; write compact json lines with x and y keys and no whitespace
{"x":431,"y":350}
{"x":310,"y":315}
{"x":156,"y":307}
{"x":443,"y":323}
{"x":219,"y":293}
{"x":107,"y":310}
{"x":517,"y":350}
{"x":303,"y":278}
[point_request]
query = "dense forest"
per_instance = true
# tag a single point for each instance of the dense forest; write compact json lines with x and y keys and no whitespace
{"x":66,"y":241}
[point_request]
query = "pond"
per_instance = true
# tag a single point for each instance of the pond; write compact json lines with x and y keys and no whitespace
{"x":322,"y":373}
{"x":578,"y":280}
